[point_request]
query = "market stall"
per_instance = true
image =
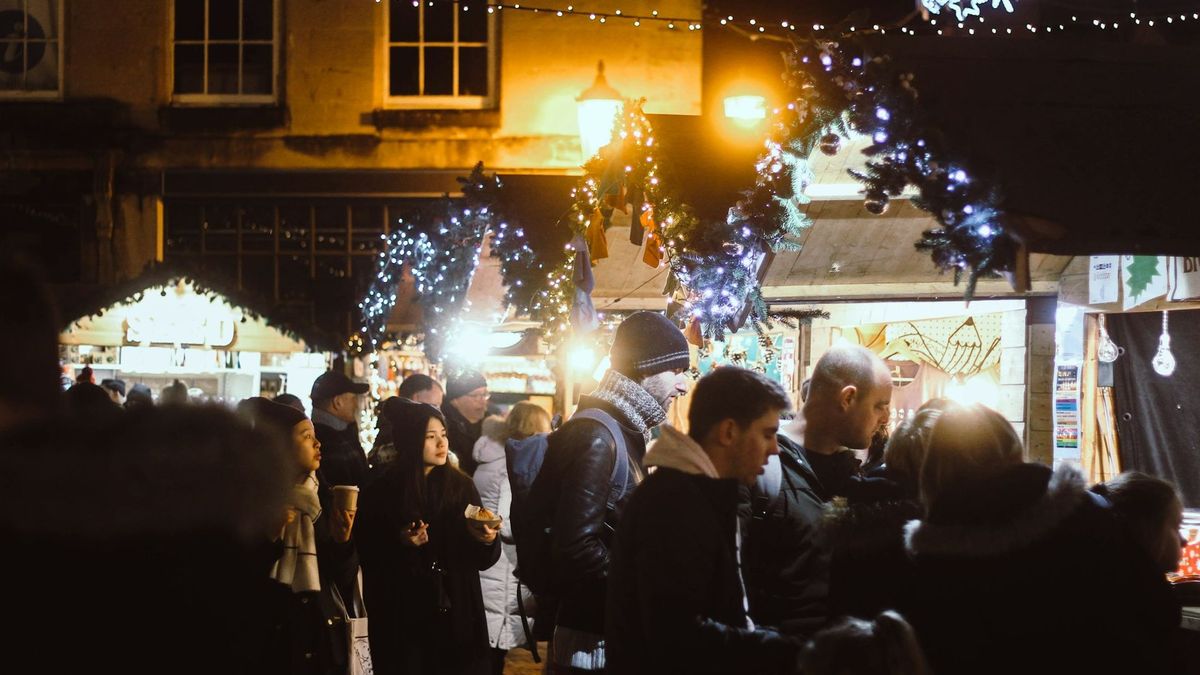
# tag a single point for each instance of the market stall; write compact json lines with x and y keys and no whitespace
{"x":175,"y":328}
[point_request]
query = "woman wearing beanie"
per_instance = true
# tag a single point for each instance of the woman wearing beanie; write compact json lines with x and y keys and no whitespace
{"x":421,"y":557}
{"x":315,"y":549}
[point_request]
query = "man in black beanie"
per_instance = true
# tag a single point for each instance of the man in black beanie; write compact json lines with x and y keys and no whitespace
{"x":465,"y":407}
{"x":580,"y":489}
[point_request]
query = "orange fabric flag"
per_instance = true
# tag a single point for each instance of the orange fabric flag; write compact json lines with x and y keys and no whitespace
{"x":597,"y":239}
{"x":653,"y":254}
{"x":693,"y":333}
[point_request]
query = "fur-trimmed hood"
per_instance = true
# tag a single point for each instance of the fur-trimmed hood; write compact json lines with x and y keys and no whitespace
{"x":1007,"y":513}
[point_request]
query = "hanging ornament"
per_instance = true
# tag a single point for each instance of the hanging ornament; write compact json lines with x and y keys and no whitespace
{"x":1164,"y":361}
{"x":1106,"y":351}
{"x":876,"y":203}
{"x":830,"y":144}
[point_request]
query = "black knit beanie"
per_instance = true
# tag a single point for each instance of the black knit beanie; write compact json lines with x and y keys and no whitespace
{"x":461,"y":384}
{"x":647,"y":343}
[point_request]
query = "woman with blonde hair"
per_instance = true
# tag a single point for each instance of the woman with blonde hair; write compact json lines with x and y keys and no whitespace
{"x":498,"y":583}
{"x":1018,"y":568}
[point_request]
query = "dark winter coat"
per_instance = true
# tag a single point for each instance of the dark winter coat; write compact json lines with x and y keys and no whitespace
{"x":313,"y":621}
{"x":869,"y":570}
{"x":343,"y":461}
{"x":415,"y":628}
{"x":786,"y":566}
{"x":462,"y":436}
{"x":1027,"y":572}
{"x":675,"y":602}
{"x":576,"y":478}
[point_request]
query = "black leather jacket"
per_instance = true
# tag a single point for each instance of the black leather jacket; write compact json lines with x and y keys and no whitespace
{"x":579,"y":464}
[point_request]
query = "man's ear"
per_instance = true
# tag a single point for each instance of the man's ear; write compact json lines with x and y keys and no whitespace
{"x":726,"y":431}
{"x":847,"y":395}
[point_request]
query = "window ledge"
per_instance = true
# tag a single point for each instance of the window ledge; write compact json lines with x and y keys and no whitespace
{"x":185,"y":118}
{"x":419,"y":119}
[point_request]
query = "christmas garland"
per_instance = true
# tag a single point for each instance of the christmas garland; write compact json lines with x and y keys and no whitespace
{"x":837,"y":87}
{"x":440,"y":249}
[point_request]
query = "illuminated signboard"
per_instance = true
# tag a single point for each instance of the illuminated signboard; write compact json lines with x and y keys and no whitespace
{"x":963,"y":9}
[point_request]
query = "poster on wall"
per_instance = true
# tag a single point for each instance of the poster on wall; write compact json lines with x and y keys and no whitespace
{"x":1066,"y":407}
{"x":1143,"y":278}
{"x":1104,"y":279}
{"x":1183,"y":278}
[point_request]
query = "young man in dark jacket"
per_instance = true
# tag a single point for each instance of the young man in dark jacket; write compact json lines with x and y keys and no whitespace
{"x":649,"y":355}
{"x":786,"y":564}
{"x":335,"y":407}
{"x":676,"y":602}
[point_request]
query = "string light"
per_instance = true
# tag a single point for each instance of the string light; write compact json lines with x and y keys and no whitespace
{"x":1101,"y":21}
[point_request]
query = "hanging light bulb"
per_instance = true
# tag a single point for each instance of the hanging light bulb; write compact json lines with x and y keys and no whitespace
{"x":1164,"y":361}
{"x":1106,"y":351}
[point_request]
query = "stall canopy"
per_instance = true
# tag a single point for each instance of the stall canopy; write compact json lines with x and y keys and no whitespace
{"x":166,"y":305}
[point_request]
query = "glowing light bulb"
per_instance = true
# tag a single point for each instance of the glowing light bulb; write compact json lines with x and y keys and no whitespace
{"x":1106,"y":350}
{"x":1164,"y":360}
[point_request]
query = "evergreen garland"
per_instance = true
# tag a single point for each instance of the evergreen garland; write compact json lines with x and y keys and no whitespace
{"x":838,"y":87}
{"x":440,"y":248}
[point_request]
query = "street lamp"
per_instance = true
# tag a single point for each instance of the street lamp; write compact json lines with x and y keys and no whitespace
{"x":598,"y":107}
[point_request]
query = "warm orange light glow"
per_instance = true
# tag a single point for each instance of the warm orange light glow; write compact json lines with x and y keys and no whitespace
{"x":747,"y":109}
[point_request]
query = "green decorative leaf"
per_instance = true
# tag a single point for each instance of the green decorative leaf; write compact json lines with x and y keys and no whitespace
{"x":1142,"y":269}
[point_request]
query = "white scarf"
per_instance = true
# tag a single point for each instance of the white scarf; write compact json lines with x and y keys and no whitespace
{"x":297,"y":567}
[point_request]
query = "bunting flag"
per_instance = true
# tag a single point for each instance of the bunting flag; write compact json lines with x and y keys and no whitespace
{"x":597,"y":238}
{"x":654,"y":245}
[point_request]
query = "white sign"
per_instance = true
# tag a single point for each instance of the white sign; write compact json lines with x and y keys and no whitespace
{"x":965,"y":8}
{"x":179,"y":330}
{"x":1104,"y":279}
{"x":1143,"y":278}
{"x":1183,"y":278}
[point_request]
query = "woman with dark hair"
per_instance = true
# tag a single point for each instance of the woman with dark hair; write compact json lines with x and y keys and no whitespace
{"x":315,"y":551}
{"x":421,"y":556}
{"x":1150,"y":509}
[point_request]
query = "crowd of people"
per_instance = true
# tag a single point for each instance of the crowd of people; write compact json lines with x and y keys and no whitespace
{"x":190,"y":538}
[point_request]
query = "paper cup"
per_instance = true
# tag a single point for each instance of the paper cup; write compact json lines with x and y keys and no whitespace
{"x":345,"y":497}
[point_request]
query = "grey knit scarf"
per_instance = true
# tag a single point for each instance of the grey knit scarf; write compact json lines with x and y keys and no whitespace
{"x":636,"y":404}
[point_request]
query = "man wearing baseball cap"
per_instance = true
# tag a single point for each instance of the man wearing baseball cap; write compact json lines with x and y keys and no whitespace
{"x":575,"y":486}
{"x":335,"y":407}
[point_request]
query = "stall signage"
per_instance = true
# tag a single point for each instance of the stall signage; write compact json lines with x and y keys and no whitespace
{"x":1104,"y":279}
{"x":180,"y":330}
{"x":1184,"y":279}
{"x":966,"y":8}
{"x":1143,"y":278}
{"x":1066,"y":407}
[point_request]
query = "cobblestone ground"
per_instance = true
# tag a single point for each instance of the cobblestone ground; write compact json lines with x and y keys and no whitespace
{"x":520,"y":661}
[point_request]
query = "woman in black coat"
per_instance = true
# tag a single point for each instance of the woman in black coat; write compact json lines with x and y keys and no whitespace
{"x":314,"y":552}
{"x":1019,"y":569}
{"x":421,"y":557}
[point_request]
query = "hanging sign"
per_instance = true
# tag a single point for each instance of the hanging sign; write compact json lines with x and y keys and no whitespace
{"x":1066,"y":407}
{"x":1143,"y":278}
{"x":1104,"y":279}
{"x":965,"y":8}
{"x":1183,"y":278}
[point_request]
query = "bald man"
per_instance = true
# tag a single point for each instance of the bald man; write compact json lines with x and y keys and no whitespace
{"x":786,"y":567}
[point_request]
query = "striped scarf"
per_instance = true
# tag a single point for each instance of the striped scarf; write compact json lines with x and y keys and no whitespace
{"x":297,"y":567}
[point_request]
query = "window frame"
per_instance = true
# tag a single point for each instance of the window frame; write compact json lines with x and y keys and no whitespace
{"x":44,"y":94}
{"x":438,"y":102}
{"x":205,"y":99}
